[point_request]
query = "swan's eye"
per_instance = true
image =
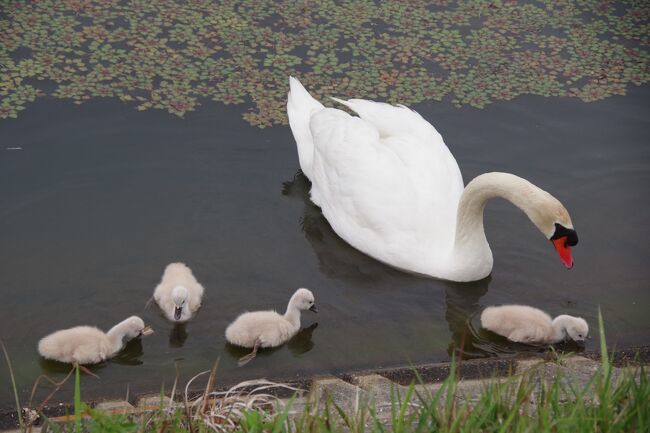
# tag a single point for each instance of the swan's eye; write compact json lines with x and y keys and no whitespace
{"x":580,"y":335}
{"x":571,"y":235}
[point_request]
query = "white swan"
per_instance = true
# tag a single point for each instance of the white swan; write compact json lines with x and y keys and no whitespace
{"x":389,"y":186}
{"x":178,"y":295}
{"x":523,"y":324}
{"x":268,"y":328}
{"x":89,"y":345}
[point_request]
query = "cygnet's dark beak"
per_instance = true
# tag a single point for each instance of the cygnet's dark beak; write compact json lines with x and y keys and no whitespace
{"x":313,"y":308}
{"x":177,"y":313}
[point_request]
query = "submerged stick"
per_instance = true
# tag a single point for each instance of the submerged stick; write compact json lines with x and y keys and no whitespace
{"x":57,"y":386}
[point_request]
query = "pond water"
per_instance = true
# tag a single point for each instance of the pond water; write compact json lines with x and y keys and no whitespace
{"x":99,"y":198}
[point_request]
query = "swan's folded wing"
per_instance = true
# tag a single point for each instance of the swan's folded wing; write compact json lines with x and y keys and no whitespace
{"x":362,"y":186}
{"x":415,"y":141}
{"x":196,"y":296}
{"x":429,"y":163}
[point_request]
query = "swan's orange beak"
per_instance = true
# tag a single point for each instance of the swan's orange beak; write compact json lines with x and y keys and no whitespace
{"x":561,"y":245}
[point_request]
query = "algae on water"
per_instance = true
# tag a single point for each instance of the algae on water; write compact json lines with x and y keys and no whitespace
{"x":175,"y":55}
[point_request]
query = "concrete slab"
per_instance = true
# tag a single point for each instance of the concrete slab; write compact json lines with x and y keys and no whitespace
{"x":153,"y":402}
{"x":116,"y":406}
{"x":35,"y":429}
{"x":345,"y":395}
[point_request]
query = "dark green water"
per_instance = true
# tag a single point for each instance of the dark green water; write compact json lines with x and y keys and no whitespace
{"x":100,"y":198}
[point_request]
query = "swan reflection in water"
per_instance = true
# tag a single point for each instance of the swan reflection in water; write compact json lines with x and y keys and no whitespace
{"x":178,"y":335}
{"x":338,"y":260}
{"x":300,"y":343}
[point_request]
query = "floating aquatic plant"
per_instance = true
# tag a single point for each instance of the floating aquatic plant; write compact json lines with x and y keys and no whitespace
{"x":175,"y":55}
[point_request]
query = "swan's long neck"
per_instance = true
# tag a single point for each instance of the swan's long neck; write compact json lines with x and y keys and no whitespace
{"x":471,"y":249}
{"x":559,"y":324}
{"x":116,"y":336}
{"x":292,"y":315}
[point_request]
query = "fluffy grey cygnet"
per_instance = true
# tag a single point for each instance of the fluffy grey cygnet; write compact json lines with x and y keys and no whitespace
{"x":268,"y":328}
{"x":90,"y":345}
{"x":179,"y":294}
{"x":524,"y":324}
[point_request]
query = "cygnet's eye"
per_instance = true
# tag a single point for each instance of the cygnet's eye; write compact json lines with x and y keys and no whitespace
{"x":580,"y":335}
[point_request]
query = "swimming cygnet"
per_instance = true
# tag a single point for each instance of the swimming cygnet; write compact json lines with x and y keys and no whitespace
{"x":90,"y":345}
{"x":523,"y":324}
{"x":268,"y":328}
{"x":178,"y":295}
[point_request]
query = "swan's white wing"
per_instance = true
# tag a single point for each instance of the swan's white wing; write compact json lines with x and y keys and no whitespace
{"x":430,"y":165}
{"x":417,"y":143}
{"x":376,"y":192}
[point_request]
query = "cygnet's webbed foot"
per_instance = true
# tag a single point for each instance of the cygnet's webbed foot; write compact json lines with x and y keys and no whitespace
{"x":247,"y":358}
{"x":85,"y":370}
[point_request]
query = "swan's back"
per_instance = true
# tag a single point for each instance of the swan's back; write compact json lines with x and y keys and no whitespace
{"x":425,"y":159}
{"x":385,"y":181}
{"x":178,"y":274}
{"x":82,"y":344}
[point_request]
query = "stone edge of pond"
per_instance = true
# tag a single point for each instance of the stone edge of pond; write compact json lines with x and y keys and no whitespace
{"x":369,"y":381}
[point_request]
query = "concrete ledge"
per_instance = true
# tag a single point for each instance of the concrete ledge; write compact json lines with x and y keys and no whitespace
{"x":332,"y":389}
{"x":151,"y":402}
{"x":115,"y":406}
{"x":470,"y":369}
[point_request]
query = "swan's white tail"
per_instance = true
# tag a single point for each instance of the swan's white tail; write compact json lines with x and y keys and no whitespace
{"x":300,"y":108}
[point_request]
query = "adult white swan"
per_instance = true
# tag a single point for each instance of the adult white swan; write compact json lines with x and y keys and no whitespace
{"x":389,"y":186}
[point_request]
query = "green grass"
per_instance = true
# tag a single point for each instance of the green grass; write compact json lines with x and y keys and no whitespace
{"x":529,"y":402}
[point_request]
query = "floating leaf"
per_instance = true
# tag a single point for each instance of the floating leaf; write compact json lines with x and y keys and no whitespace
{"x":173,"y":55}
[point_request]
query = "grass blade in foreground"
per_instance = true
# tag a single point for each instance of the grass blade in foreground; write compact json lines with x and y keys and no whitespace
{"x":13,"y":385}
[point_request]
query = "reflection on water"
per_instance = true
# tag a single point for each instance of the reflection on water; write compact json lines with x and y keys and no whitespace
{"x":90,"y":215}
{"x":461,"y":304}
{"x":301,"y":343}
{"x":488,"y":341}
{"x":51,"y":367}
{"x":339,"y":260}
{"x":131,"y":353}
{"x":178,"y":335}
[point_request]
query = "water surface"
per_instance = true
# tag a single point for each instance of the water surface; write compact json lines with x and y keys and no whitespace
{"x":100,"y":198}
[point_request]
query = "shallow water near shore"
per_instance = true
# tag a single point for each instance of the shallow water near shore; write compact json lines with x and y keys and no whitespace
{"x":97,"y":199}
